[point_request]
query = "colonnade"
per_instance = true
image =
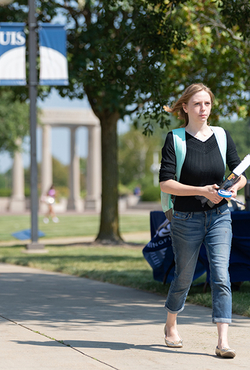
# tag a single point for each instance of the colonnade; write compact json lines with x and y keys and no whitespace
{"x":72,"y":119}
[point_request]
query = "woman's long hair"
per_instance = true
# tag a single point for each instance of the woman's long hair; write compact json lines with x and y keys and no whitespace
{"x":188,"y":93}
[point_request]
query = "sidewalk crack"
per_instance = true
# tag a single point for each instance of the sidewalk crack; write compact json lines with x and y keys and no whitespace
{"x":59,"y":341}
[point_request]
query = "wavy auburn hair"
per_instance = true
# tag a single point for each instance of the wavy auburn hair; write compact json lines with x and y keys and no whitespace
{"x":188,"y":93}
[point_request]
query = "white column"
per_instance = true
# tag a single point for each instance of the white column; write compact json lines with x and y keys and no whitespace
{"x":17,"y":200}
{"x":94,"y":174}
{"x":46,"y":168}
{"x":74,"y":201}
{"x":155,"y":167}
{"x":46,"y":165}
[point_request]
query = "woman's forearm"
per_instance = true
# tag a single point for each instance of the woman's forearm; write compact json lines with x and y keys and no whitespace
{"x":209,"y":191}
{"x":176,"y":188}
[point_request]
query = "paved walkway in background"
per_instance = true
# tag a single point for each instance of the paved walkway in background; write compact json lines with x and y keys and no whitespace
{"x":52,"y":321}
{"x":136,"y":237}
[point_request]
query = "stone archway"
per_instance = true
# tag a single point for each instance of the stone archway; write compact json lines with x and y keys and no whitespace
{"x":71,"y":119}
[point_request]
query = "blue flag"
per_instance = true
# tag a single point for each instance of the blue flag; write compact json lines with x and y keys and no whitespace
{"x":53,"y":60}
{"x":12,"y":54}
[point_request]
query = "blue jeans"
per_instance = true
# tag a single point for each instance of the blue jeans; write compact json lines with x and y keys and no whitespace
{"x":189,"y":230}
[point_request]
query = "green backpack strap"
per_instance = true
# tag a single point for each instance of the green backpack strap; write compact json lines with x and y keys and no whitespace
{"x":179,"y":138}
{"x":221,"y":139}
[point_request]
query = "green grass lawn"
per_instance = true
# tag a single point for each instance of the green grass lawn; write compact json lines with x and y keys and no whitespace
{"x":124,"y":265}
{"x":69,"y":225}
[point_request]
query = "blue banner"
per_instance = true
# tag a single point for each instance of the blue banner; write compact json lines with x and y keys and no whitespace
{"x":12,"y":54}
{"x":53,"y":59}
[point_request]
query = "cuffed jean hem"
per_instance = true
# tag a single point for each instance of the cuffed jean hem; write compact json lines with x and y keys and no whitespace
{"x":221,"y":320}
{"x":174,"y":312}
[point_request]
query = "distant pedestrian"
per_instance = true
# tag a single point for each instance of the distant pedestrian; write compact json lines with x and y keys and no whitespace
{"x":137,"y":191}
{"x":50,"y":200}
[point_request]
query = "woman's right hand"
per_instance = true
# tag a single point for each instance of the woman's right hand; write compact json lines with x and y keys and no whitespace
{"x":211,"y":193}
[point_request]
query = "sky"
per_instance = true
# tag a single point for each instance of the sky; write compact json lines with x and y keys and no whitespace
{"x":60,"y":137}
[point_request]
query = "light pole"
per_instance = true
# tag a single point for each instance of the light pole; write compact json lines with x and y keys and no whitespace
{"x":33,"y":122}
{"x":33,"y":125}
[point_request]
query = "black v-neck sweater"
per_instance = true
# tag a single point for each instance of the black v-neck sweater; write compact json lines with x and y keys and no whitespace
{"x":203,"y":165}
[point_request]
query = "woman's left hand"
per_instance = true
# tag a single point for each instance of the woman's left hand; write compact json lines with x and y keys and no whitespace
{"x":234,"y":193}
{"x":239,"y":185}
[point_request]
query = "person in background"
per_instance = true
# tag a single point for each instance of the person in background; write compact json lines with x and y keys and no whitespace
{"x":195,"y":222}
{"x":137,"y":191}
{"x":50,"y":200}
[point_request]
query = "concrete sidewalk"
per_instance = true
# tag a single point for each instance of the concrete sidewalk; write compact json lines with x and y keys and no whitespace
{"x":51,"y":321}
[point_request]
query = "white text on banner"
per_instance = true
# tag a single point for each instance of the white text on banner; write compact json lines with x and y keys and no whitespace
{"x":12,"y":54}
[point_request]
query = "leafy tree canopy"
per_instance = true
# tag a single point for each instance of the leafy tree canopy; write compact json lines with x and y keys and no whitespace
{"x":14,"y":121}
{"x":236,"y":13}
{"x":213,"y":54}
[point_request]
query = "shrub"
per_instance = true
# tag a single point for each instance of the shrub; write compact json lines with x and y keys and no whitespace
{"x":124,"y":190}
{"x":27,"y":191}
{"x":151,"y":194}
{"x":5,"y":192}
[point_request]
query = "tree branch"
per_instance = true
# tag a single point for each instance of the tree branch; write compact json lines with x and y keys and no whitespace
{"x":215,"y":22}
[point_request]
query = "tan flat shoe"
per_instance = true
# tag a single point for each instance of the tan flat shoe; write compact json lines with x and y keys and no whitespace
{"x":225,"y":352}
{"x":176,"y":344}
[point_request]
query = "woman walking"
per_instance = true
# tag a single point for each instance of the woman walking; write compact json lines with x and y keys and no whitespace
{"x":194,"y":221}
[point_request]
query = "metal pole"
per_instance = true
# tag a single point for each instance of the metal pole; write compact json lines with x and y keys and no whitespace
{"x":33,"y":125}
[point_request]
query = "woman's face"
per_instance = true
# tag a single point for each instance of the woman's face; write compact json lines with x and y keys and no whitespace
{"x":198,"y":107}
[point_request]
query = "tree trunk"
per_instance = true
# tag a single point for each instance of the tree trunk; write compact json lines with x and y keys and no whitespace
{"x":109,"y":223}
